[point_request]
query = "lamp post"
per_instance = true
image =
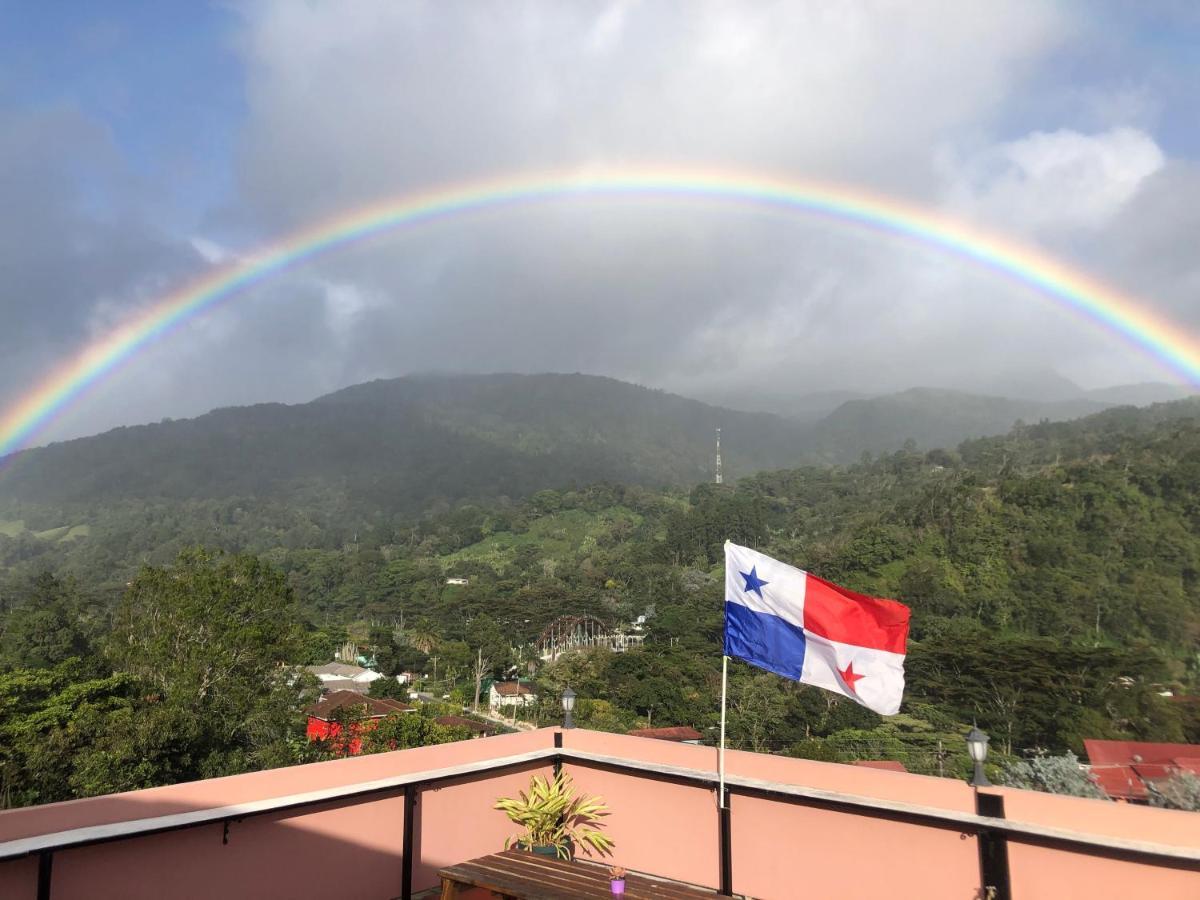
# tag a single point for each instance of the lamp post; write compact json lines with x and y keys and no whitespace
{"x":977,"y":747}
{"x":568,"y":702}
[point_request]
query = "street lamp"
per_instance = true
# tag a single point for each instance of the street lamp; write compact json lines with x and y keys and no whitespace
{"x":568,"y":702}
{"x":977,"y":747}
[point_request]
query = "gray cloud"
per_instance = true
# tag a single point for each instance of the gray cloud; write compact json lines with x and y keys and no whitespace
{"x":348,"y":104}
{"x":74,"y":253}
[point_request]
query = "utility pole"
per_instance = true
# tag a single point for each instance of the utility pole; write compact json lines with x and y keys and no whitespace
{"x":720,"y":476}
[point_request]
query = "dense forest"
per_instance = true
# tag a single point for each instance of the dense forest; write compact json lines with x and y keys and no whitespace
{"x":396,"y":449}
{"x":1052,"y":574}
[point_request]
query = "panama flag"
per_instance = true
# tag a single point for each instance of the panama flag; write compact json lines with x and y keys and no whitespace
{"x":799,"y":626}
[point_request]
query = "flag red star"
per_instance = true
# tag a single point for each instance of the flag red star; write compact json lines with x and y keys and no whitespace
{"x":849,"y":676}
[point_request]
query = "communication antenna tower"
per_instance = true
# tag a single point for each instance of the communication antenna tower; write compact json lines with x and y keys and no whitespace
{"x":720,"y":477}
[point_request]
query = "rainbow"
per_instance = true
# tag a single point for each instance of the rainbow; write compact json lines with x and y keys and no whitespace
{"x":1166,"y":341}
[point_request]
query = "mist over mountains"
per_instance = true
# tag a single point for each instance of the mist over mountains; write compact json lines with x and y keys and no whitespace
{"x":405,"y":444}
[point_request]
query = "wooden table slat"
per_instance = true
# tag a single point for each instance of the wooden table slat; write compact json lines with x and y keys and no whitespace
{"x":536,"y":882}
{"x":528,"y":876}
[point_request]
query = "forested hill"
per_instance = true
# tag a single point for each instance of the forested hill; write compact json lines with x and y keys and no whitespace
{"x":406,"y":444}
{"x":1053,"y":574}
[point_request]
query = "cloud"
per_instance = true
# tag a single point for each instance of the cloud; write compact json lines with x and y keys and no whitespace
{"x":899,"y":98}
{"x":74,"y":256}
{"x":1053,"y":182}
{"x":347,"y":105}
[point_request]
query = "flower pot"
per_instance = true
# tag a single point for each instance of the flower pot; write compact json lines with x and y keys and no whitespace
{"x":544,"y":850}
{"x":617,"y":885}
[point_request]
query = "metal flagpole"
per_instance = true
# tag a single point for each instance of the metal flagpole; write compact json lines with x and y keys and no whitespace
{"x":721,"y":749}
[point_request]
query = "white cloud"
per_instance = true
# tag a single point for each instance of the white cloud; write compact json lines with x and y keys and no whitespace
{"x":1053,"y":182}
{"x":347,"y":104}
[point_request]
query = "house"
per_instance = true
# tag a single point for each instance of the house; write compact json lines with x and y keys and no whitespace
{"x":680,"y":734}
{"x":510,"y":693}
{"x":477,"y":729}
{"x":342,"y":672}
{"x":1126,"y":770}
{"x":458,"y":581}
{"x":322,"y":716}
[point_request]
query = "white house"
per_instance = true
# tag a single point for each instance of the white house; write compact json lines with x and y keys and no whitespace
{"x":342,"y":672}
{"x":510,"y":693}
{"x":458,"y":581}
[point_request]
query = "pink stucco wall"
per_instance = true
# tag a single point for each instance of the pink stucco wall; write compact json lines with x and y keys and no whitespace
{"x":1044,"y":874}
{"x":782,"y":850}
{"x":779,"y":850}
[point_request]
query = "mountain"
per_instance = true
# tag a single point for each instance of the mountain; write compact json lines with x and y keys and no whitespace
{"x":802,"y":407}
{"x":1142,"y":394}
{"x":403,"y":444}
{"x":1040,"y":384}
{"x":931,"y":417}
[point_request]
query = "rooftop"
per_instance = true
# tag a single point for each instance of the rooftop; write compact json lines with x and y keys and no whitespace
{"x":376,"y":707}
{"x":1125,"y":770}
{"x":674,"y":733}
{"x":511,"y":688}
{"x":337,"y":670}
{"x":383,"y":825}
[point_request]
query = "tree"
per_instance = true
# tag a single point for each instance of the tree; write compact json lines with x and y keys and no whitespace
{"x":1052,"y":774}
{"x":405,"y":730}
{"x":388,"y":688}
{"x":44,"y":630}
{"x":482,"y":667}
{"x":1180,"y":791}
{"x":213,"y":635}
{"x":756,"y":711}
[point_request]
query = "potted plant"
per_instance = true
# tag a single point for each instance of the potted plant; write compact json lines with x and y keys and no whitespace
{"x":616,"y":879}
{"x":555,"y":820}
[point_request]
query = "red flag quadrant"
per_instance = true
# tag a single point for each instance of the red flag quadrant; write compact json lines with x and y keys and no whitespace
{"x":802,"y":627}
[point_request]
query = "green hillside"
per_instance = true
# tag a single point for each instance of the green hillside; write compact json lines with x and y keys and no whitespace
{"x":1053,"y":574}
{"x":408,"y":444}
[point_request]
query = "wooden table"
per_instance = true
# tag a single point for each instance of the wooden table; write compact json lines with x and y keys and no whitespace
{"x":520,"y":875}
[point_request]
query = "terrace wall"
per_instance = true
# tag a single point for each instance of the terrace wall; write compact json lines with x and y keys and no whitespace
{"x":784,"y":850}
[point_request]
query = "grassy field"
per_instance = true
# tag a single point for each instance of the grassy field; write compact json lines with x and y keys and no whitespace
{"x":14,"y":527}
{"x":555,"y":537}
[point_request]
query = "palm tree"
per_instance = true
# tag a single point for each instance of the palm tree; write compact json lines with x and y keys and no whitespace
{"x":422,"y":637}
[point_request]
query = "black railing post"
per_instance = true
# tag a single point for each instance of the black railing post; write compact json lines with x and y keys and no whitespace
{"x":410,"y":829}
{"x":558,"y":756}
{"x":45,"y":869}
{"x":726,"y":827}
{"x":993,"y":850}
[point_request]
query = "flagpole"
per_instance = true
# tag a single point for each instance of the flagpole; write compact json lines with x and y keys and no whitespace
{"x":721,"y":748}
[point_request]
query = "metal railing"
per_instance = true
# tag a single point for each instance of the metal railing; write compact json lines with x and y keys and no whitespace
{"x":987,"y":823}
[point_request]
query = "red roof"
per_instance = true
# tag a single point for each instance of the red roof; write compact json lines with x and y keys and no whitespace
{"x":1119,"y":782}
{"x":1189,"y":764}
{"x":889,"y":765}
{"x":1122,"y":769}
{"x":377,"y":707}
{"x":511,"y":688}
{"x":677,"y":733}
{"x":1127,"y":753}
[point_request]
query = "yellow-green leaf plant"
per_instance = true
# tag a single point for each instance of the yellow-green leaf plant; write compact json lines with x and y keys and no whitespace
{"x":553,"y":816}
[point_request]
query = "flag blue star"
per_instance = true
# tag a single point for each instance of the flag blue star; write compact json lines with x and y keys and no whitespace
{"x":753,"y":582}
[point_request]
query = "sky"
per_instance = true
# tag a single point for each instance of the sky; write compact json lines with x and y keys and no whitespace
{"x":142,"y":145}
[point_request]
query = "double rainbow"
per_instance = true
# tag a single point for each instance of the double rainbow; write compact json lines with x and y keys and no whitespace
{"x":1125,"y":316}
